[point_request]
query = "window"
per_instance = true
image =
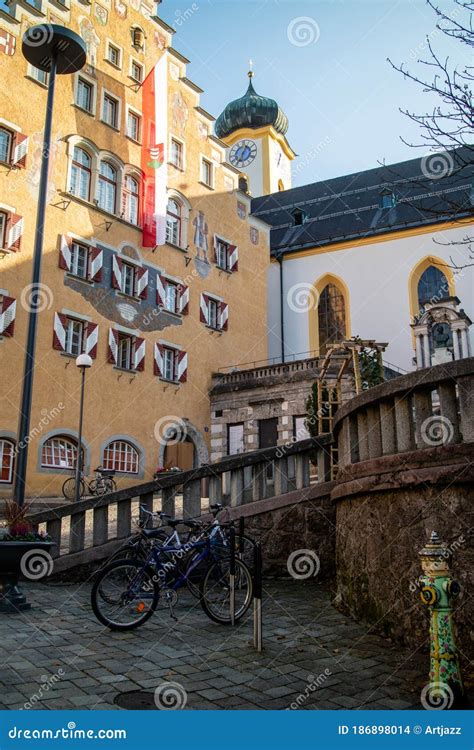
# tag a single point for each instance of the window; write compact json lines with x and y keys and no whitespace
{"x":299,"y":217}
{"x":136,"y":71}
{"x":84,"y":94}
{"x":81,"y":174}
{"x":235,"y":439}
{"x":6,"y":140}
{"x":206,"y":172}
{"x":113,"y":55}
{"x":131,"y":200}
{"x":79,"y":260}
{"x":173,"y":222}
{"x":134,"y":122}
{"x":433,"y":286}
{"x":387,"y":199}
{"x":331,"y":317}
{"x":172,"y":297}
{"x":213,"y":313}
{"x":74,"y":337}
{"x":39,"y":75}
{"x":3,"y":228}
{"x":170,"y":361}
{"x":299,"y":428}
{"x":128,"y":279}
{"x":107,"y":187}
{"x":59,"y":453}
{"x":7,"y":460}
{"x":176,"y":157}
{"x":124,"y":352}
{"x":121,"y":456}
{"x":110,"y":111}
{"x":223,"y":255}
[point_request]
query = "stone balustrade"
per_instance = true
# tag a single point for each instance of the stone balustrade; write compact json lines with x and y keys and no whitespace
{"x":424,"y":409}
{"x":95,"y":522}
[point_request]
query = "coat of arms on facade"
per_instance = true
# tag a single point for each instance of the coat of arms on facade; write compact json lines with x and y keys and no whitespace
{"x":254,"y":236}
{"x":120,"y":8}
{"x":241,"y":210}
{"x":7,"y":43}
{"x":101,"y":14}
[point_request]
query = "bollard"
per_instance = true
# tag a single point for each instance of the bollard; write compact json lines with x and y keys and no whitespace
{"x":232,"y":574}
{"x":257,"y":597}
{"x":437,"y":592}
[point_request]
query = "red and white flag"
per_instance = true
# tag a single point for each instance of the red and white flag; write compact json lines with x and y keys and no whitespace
{"x":154,"y":153}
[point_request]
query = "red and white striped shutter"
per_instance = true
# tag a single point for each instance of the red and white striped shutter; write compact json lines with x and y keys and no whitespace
{"x":142,"y":283}
{"x":113,"y":346}
{"x":116,"y":272}
{"x":15,"y":232}
{"x":20,"y":150}
{"x":160,"y":290}
{"x":204,"y":309}
{"x":182,"y":368}
{"x":65,"y":245}
{"x":59,"y":332}
{"x":92,"y":338}
{"x":223,"y":316}
{"x":158,"y":360}
{"x":7,"y":316}
{"x":96,"y":262}
{"x":139,"y":354}
{"x":183,"y":299}
{"x":233,"y":258}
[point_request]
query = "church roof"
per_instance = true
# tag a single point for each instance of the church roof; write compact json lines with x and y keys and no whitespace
{"x":376,"y":201}
{"x":251,"y":111}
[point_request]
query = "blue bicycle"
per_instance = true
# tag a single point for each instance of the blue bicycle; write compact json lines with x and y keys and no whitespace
{"x":126,"y":592}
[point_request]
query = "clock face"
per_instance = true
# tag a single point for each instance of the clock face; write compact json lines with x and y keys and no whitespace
{"x":243,"y":153}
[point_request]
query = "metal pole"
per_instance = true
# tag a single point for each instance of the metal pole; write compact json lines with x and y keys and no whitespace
{"x":27,"y":391}
{"x":241,"y":536}
{"x":257,"y":597}
{"x":79,"y":440}
{"x":232,"y":574}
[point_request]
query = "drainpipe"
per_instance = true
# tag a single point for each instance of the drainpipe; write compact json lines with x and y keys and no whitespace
{"x":279,"y":258}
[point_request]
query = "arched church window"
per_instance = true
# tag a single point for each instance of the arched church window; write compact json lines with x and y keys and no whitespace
{"x":433,"y":286}
{"x":331,"y":317}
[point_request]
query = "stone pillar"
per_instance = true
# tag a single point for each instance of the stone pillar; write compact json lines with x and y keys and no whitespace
{"x":387,"y":425}
{"x":465,"y":390}
{"x":404,"y":423}
{"x":423,"y":411}
{"x":449,"y":410}
{"x":419,"y":351}
{"x":236,"y":487}
{"x":426,"y":350}
{"x":464,"y":343}
{"x":457,"y":352}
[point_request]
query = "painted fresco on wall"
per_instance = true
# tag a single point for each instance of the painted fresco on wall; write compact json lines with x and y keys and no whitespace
{"x":180,"y":112}
{"x":34,"y":164}
{"x":91,"y":39}
{"x":120,"y":8}
{"x":201,"y":231}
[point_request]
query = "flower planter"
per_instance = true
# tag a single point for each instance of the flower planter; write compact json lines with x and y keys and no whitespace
{"x":12,"y":599}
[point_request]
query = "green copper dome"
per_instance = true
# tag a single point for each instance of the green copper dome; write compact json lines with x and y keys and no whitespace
{"x":251,"y":111}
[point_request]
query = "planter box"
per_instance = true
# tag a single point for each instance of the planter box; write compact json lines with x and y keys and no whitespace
{"x":35,"y":566}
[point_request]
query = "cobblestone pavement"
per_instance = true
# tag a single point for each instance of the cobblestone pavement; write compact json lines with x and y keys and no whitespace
{"x":57,"y":656}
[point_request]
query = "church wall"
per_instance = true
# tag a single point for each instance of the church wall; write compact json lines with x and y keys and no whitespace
{"x":377,"y":276}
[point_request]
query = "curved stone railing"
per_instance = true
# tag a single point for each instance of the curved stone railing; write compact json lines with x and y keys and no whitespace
{"x":423,"y":410}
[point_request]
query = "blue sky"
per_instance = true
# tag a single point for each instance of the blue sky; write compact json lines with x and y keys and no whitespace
{"x":341,"y":96}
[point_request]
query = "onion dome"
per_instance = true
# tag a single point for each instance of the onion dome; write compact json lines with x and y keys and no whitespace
{"x":251,"y":111}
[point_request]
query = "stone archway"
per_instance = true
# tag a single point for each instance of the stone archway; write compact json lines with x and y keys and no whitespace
{"x":195,"y":436}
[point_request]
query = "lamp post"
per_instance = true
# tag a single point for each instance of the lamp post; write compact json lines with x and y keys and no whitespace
{"x":57,"y":51}
{"x":83,"y":362}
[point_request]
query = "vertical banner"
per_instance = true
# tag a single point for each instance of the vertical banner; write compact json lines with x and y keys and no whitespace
{"x":154,"y":153}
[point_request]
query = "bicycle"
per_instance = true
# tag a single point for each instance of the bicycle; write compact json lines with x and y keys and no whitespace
{"x":101,"y":484}
{"x":126,"y":593}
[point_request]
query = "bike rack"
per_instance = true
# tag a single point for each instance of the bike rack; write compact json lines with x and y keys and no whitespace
{"x":232,"y":574}
{"x":257,"y":597}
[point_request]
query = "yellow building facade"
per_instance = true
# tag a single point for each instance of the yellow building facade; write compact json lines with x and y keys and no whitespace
{"x":157,"y":321}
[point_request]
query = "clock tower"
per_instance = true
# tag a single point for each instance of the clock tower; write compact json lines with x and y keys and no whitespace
{"x":254,"y":129}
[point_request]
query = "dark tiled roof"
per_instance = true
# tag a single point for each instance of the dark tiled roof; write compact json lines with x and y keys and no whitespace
{"x":349,"y":207}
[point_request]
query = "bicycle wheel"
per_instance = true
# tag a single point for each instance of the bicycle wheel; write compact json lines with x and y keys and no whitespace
{"x":111,"y":485}
{"x":215,"y":591}
{"x":125,"y":595}
{"x":69,"y":488}
{"x":194,"y":577}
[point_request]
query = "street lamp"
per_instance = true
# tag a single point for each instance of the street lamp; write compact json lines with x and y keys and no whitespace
{"x":83,"y":362}
{"x":55,"y":50}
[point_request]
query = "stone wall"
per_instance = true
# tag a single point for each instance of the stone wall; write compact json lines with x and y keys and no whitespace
{"x":379,"y":534}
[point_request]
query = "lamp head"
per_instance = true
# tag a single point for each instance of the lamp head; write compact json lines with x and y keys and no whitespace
{"x":83,"y":360}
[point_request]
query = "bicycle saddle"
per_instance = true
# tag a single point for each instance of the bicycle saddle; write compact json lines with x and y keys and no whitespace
{"x":154,"y":533}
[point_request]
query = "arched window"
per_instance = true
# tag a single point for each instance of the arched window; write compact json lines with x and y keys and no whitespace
{"x":433,"y":286}
{"x":121,"y":456}
{"x":7,"y":460}
{"x":59,"y":453}
{"x":173,"y":222}
{"x":107,"y":197}
{"x":131,"y":200}
{"x":81,"y":174}
{"x":331,"y":317}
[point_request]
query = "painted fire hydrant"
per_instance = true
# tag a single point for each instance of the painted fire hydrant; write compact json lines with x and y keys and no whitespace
{"x":438,"y":592}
